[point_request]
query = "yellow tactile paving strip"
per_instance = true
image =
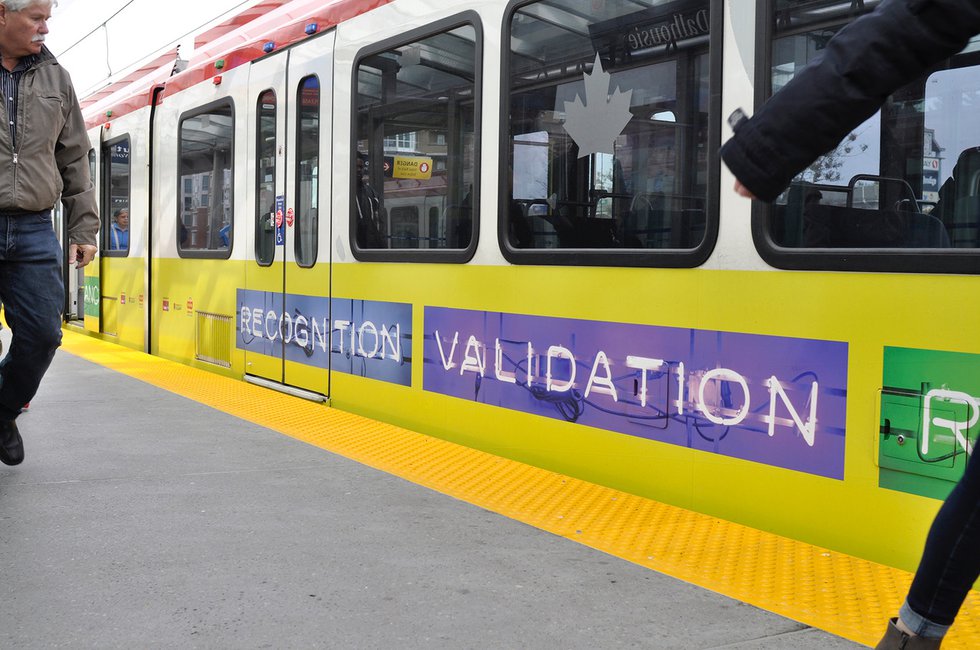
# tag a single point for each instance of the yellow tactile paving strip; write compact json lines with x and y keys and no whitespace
{"x":831,"y":591}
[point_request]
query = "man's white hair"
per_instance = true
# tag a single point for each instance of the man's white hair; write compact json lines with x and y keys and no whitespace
{"x":20,"y":5}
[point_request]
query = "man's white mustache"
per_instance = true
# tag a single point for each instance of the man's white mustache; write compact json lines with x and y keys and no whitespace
{"x":37,"y":39}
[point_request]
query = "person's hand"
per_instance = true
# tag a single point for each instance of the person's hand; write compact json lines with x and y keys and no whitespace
{"x":741,"y":190}
{"x":81,"y":254}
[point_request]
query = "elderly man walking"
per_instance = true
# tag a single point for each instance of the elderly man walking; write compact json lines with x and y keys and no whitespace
{"x":43,"y":155}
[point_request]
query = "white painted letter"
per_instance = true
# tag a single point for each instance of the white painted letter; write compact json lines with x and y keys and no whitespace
{"x":956,"y":426}
{"x":808,"y":430}
{"x":472,"y":361}
{"x":447,"y":364}
{"x":302,"y":331}
{"x":724,"y":374}
{"x":368,"y":325}
{"x":321,"y":333}
{"x":246,"y":317}
{"x":498,"y":371}
{"x":288,"y":320}
{"x":395,"y":345}
{"x":604,"y":384}
{"x":557,"y":351}
{"x":257,"y":322}
{"x":643,"y":364}
{"x":271,"y":315}
{"x":680,"y":388}
{"x":530,"y":360}
{"x":341,"y":326}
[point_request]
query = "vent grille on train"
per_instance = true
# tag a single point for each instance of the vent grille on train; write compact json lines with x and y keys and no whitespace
{"x":213,"y":339}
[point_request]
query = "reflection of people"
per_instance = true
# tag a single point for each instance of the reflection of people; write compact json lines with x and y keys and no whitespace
{"x":770,"y":149}
{"x":463,"y":231}
{"x":54,"y":147}
{"x":371,"y":227}
{"x":519,"y":229}
{"x":860,"y":67}
{"x":958,"y":199}
{"x":119,"y":234}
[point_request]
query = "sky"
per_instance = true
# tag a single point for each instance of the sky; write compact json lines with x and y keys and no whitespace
{"x":95,"y":40}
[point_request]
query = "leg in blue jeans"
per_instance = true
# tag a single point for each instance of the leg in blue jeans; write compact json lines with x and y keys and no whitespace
{"x":33,"y":295}
{"x":951,"y":561}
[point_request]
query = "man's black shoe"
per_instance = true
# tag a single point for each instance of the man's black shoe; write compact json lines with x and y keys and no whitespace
{"x":11,"y":444}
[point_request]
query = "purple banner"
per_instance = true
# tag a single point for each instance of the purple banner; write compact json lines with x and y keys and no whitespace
{"x":361,"y":337}
{"x":769,"y":399}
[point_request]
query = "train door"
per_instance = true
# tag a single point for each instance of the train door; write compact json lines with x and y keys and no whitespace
{"x":286,"y":297}
{"x":307,"y":316}
{"x":73,"y":278}
{"x":82,"y":300}
{"x":264,"y":291}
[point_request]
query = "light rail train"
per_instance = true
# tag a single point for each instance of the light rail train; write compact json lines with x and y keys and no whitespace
{"x":506,"y":224}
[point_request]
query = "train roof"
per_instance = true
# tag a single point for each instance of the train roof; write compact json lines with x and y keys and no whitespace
{"x":237,"y":41}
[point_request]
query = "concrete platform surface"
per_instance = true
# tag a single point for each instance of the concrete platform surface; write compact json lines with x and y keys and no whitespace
{"x":144,"y":519}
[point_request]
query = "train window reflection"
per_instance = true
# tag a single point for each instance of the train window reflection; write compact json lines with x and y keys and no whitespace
{"x":205,"y":193}
{"x":116,"y":197}
{"x":307,"y":169}
{"x":265,"y":179}
{"x":415,"y":162}
{"x":608,"y":145}
{"x":907,"y":178}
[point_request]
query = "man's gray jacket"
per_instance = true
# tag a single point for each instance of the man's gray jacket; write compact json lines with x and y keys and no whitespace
{"x":51,"y":159}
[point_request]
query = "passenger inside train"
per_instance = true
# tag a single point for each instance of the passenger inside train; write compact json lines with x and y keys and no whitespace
{"x":119,"y":235}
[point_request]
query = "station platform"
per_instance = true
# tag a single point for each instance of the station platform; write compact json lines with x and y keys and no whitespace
{"x":164,"y":506}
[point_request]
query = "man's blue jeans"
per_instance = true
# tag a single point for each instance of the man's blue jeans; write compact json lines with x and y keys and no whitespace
{"x":33,"y":295}
{"x":951,"y":561}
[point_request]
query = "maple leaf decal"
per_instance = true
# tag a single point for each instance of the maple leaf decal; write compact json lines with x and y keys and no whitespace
{"x":595,"y":125}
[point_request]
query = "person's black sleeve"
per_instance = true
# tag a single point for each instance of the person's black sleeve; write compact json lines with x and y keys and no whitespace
{"x":861,"y":66}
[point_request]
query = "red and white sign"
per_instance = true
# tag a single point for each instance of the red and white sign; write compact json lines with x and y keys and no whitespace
{"x":290,"y":217}
{"x":278,"y":218}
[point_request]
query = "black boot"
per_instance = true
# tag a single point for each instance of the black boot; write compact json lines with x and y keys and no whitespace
{"x":11,"y":445}
{"x":895,"y":639}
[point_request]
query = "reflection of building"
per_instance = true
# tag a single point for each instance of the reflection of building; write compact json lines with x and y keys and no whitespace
{"x":203,"y":219}
{"x":426,"y":142}
{"x":416,"y":206}
{"x":118,"y":176}
{"x":196,"y":192}
{"x":931,"y":166}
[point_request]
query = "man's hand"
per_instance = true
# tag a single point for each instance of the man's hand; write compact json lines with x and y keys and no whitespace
{"x":741,"y":190}
{"x":81,"y":254}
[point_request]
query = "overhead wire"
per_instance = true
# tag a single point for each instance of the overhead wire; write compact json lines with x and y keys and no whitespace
{"x":101,"y":25}
{"x":104,"y":25}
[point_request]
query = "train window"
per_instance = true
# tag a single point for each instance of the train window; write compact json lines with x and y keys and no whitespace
{"x":414,"y":179}
{"x":265,"y":179}
{"x":901,"y":191}
{"x":606,"y":158}
{"x":116,"y":197}
{"x":307,"y":169}
{"x":206,"y":202}
{"x":405,"y":224}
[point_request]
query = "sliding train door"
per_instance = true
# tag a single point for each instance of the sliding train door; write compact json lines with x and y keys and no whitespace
{"x":284,"y":307}
{"x":260,"y":303}
{"x":308,"y":190}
